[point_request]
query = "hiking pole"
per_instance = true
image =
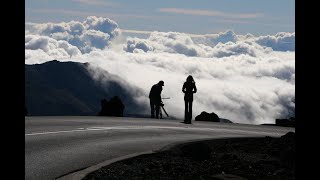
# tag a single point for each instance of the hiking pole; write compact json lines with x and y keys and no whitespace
{"x":161,"y":104}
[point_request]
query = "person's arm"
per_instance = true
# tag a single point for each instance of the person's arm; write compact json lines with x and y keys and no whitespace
{"x":160,"y":93}
{"x":183,"y":88}
{"x":194,"y":88}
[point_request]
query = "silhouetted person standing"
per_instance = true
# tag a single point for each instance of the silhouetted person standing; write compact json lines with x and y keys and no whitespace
{"x":155,"y":98}
{"x":188,"y":88}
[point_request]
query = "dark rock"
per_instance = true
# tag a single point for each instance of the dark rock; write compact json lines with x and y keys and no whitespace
{"x":287,"y":154}
{"x":289,"y":135}
{"x":114,"y":107}
{"x":204,"y":116}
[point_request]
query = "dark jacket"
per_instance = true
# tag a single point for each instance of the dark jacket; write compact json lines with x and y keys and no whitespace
{"x":155,"y":93}
{"x":189,"y":88}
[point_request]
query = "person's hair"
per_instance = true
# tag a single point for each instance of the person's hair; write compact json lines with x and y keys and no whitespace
{"x":161,"y":82}
{"x":190,"y":79}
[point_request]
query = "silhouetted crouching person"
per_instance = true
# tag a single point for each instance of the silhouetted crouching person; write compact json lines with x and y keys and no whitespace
{"x":188,"y":88}
{"x":155,"y":98}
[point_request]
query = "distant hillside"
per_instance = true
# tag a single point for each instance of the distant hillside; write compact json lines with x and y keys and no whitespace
{"x":67,"y":88}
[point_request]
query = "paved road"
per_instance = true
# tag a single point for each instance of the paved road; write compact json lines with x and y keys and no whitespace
{"x":55,"y":146}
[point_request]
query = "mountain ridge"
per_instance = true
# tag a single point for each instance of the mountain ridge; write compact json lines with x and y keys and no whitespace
{"x":69,"y":88}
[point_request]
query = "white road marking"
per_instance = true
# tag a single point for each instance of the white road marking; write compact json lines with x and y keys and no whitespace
{"x":55,"y":132}
{"x":155,"y":127}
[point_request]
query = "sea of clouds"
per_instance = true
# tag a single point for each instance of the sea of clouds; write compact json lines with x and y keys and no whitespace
{"x":244,"y":78}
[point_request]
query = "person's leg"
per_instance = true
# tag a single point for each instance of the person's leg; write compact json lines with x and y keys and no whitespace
{"x":152,"y":109}
{"x":157,"y":111}
{"x":186,"y":111}
{"x":160,"y":112}
{"x":190,"y":111}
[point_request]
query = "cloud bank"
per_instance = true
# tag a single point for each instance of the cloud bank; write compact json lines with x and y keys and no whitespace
{"x":244,"y":78}
{"x":280,"y":42}
{"x":93,"y":33}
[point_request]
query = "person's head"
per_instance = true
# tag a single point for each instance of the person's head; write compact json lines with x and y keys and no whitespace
{"x":161,"y":83}
{"x":190,"y":79}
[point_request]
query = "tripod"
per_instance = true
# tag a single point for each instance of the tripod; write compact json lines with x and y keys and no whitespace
{"x":160,"y":111}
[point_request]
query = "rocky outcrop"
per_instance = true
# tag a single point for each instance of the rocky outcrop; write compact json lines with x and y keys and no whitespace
{"x":204,"y":116}
{"x":213,"y":117}
{"x":114,"y":107}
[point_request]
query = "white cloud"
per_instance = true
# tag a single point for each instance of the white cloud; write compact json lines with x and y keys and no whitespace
{"x":97,"y":39}
{"x":222,"y":45}
{"x":282,"y":41}
{"x":136,"y":43}
{"x":50,"y":46}
{"x":102,"y":24}
{"x":94,"y":32}
{"x":212,"y":40}
{"x":238,"y":77}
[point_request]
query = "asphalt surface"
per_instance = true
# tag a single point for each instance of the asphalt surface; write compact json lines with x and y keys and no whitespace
{"x":56,"y":146}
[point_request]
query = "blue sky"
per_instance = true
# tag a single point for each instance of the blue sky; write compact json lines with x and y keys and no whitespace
{"x":189,"y":16}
